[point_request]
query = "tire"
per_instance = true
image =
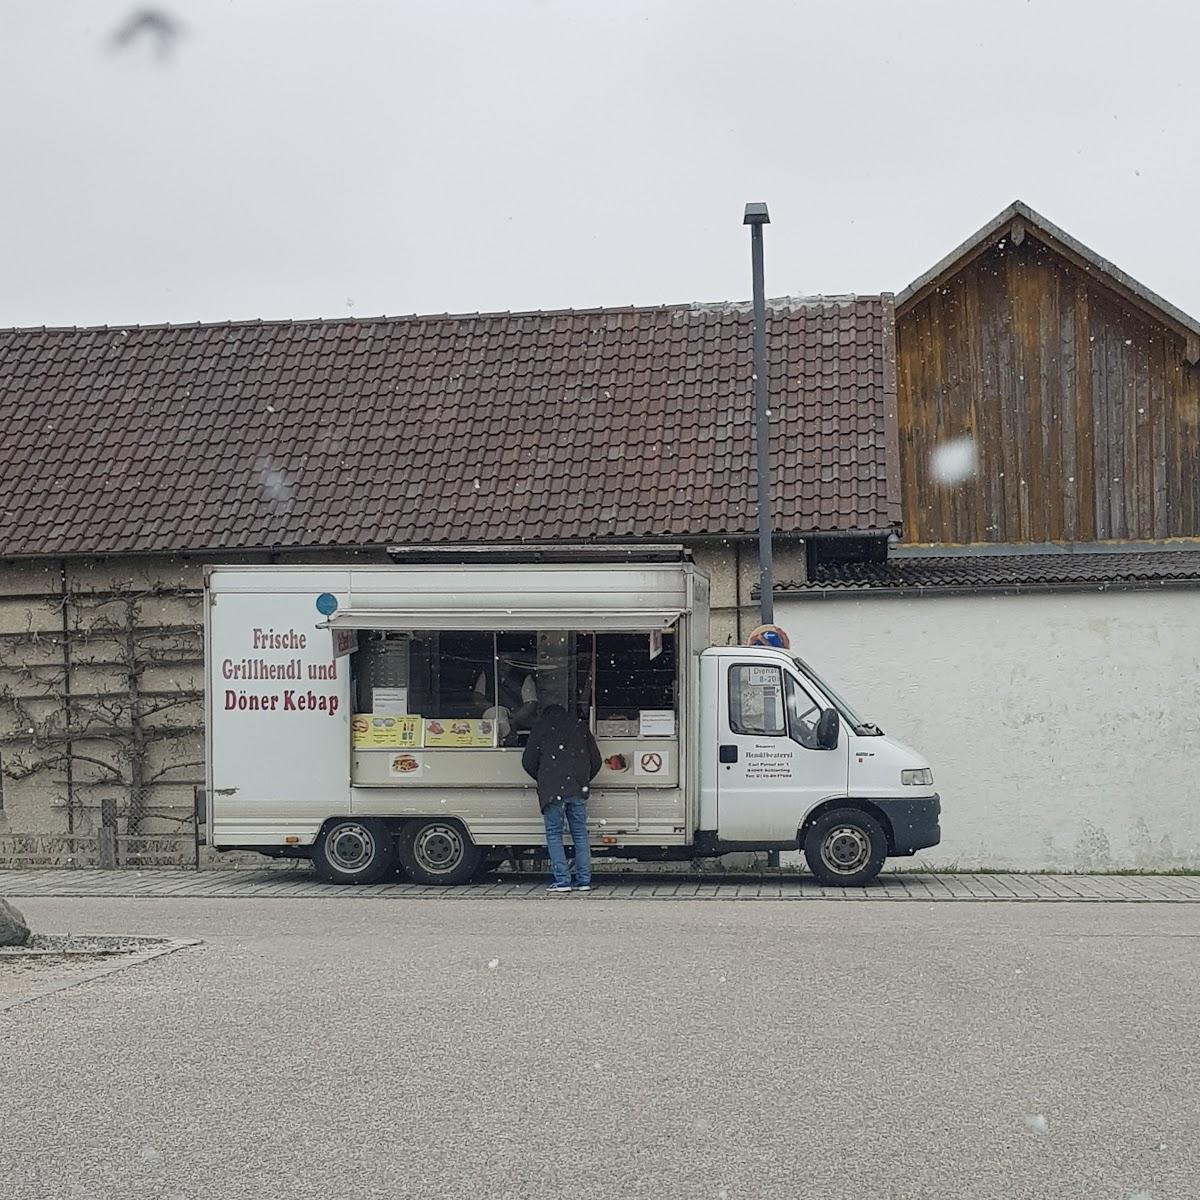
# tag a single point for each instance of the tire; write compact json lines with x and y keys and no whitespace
{"x":845,"y":847}
{"x":354,"y":850}
{"x":435,"y":850}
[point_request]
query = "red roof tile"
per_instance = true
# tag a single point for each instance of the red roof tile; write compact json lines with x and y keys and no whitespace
{"x":612,"y":423}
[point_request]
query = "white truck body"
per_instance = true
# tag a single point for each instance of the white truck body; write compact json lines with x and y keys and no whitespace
{"x":282,"y":771}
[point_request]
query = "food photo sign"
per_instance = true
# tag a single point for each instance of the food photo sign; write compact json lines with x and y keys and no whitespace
{"x":459,"y":733}
{"x":385,"y":731}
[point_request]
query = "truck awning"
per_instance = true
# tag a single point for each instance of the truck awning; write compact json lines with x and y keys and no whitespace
{"x":504,"y":620}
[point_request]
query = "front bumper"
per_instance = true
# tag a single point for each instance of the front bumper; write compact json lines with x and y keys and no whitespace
{"x":914,"y":822}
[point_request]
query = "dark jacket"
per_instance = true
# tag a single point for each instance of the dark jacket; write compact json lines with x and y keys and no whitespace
{"x":561,"y":755}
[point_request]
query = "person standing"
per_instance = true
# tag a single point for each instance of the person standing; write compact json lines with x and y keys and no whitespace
{"x":563,"y":757}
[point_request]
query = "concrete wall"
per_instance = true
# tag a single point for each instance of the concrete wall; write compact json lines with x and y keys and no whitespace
{"x":733,"y":573}
{"x":1063,"y":728}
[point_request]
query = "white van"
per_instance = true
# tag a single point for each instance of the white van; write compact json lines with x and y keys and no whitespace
{"x":371,"y":718}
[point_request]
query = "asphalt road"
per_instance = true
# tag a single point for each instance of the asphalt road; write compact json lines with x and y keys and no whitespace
{"x":592,"y":1048}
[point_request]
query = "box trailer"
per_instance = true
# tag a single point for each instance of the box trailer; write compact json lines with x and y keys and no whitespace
{"x":373,"y":718}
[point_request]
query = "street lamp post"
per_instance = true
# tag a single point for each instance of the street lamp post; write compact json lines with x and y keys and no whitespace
{"x":756,"y":217}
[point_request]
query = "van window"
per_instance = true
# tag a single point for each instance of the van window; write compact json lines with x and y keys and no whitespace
{"x":445,"y":681}
{"x":756,"y":700}
{"x":803,"y":714}
{"x":432,"y":674}
{"x":635,"y":676}
{"x":477,"y":689}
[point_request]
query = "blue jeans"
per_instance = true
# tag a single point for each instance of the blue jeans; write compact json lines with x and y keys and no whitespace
{"x":575,"y":810}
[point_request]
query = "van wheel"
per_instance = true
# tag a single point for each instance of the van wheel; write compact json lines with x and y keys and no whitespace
{"x":437,"y":851}
{"x":354,"y":850}
{"x":845,"y":847}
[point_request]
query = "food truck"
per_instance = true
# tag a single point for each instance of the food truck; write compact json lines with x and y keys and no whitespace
{"x":372,"y":719}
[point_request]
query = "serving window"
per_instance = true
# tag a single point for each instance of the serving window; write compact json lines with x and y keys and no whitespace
{"x":636,"y":685}
{"x":468,"y":689}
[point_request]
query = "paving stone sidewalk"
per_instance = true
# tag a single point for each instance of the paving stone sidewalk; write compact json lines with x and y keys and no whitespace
{"x":302,"y":884}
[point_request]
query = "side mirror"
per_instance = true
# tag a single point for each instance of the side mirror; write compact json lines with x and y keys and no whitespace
{"x":828,"y":727}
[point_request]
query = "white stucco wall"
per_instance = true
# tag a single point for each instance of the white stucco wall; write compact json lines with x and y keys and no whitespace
{"x":1063,"y":729}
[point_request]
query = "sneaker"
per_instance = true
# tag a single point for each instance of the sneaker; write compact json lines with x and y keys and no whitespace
{"x":582,"y":887}
{"x":559,"y":889}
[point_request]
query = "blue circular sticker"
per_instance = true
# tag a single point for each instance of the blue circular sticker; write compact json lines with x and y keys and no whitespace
{"x":326,"y":604}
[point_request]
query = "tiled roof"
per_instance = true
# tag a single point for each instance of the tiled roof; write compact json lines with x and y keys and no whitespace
{"x":485,"y":428}
{"x":1005,"y":572}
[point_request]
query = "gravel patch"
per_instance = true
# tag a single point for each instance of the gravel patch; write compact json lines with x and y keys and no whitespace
{"x":54,"y":962}
{"x":92,"y":946}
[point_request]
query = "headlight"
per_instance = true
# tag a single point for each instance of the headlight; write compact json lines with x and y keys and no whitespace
{"x":920,"y":777}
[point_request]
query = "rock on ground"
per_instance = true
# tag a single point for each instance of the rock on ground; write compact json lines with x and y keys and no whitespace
{"x":14,"y":931}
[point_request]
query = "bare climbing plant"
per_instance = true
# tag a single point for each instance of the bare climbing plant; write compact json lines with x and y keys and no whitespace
{"x":110,"y":701}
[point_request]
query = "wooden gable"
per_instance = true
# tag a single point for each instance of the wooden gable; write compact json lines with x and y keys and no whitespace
{"x":1073,"y":387}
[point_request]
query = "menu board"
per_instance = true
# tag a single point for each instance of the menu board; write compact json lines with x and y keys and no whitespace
{"x":389,"y":699}
{"x":385,"y":731}
{"x":459,"y":733}
{"x":656,"y":722}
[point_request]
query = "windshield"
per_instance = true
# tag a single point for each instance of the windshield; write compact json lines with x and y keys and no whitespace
{"x":839,"y":702}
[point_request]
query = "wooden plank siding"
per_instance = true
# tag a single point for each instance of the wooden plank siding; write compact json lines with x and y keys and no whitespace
{"x":1084,"y":414}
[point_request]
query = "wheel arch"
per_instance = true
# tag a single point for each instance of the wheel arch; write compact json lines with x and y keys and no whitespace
{"x":400,"y":824}
{"x":865,"y":806}
{"x":397,"y":824}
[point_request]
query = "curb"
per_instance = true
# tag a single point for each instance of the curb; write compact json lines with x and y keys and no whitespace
{"x":394,"y":892}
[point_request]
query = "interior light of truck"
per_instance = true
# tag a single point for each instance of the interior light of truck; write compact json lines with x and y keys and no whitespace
{"x":918,"y":777}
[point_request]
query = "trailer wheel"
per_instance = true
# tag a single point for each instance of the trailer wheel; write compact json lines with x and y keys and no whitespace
{"x":845,"y":847}
{"x":354,"y":850}
{"x":438,"y":851}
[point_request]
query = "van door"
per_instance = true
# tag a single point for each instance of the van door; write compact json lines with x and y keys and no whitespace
{"x":770,"y":771}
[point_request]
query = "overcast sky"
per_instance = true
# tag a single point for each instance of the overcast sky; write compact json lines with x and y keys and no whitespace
{"x":295,"y":158}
